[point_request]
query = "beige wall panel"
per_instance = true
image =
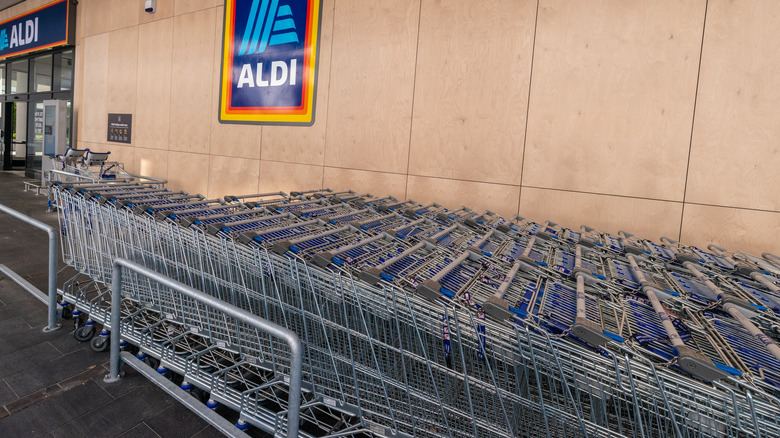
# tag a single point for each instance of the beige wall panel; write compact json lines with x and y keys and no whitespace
{"x":287,"y":177}
{"x":97,"y":16}
{"x":122,"y":70}
{"x":734,"y":156}
{"x":21,"y":8}
{"x":151,"y":162}
{"x":164,"y":10}
{"x":648,"y":219}
{"x":306,"y":145}
{"x":452,"y":193}
{"x":735,"y":229}
{"x":612,"y":96}
{"x":229,"y":140}
{"x":93,"y":114}
{"x":471,"y":91}
{"x":187,"y":6}
{"x":188,"y":172}
{"x":366,"y":181}
{"x":232,"y":176}
{"x":120,"y":154}
{"x":371,"y":84}
{"x":124,"y":13}
{"x":191,"y":82}
{"x":153,"y":101}
{"x":80,"y":20}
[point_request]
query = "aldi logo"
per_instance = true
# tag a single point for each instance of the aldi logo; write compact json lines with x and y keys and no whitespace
{"x":269,"y":61}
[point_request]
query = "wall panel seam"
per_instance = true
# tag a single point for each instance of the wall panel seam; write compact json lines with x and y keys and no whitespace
{"x":414,"y":92}
{"x":693,"y":119}
{"x":330,"y":80}
{"x":528,"y":105}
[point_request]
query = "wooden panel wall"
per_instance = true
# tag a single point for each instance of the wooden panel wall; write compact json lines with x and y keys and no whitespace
{"x":659,"y":118}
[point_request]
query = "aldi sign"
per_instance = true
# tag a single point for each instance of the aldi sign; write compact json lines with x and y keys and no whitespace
{"x":47,"y":26}
{"x":269,"y":61}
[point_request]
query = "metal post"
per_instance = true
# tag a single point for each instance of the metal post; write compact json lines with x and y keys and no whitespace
{"x":52,"y":304}
{"x":116,"y":302}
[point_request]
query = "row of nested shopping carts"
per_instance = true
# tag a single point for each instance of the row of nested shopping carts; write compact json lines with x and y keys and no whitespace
{"x":418,"y":320}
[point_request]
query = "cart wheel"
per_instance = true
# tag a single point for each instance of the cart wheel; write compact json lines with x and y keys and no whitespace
{"x":175,"y":378}
{"x":84,"y":333}
{"x":199,"y":394}
{"x":152,"y":362}
{"x":99,"y":344}
{"x":67,"y":311}
{"x":79,"y":320}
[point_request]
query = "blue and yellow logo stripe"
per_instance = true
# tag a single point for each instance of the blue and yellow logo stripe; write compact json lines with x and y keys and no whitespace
{"x":269,"y":60}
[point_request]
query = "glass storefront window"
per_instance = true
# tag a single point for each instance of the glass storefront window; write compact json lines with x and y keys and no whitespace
{"x":41,"y":69}
{"x":63,"y":69}
{"x":19,"y":77}
{"x":24,"y":84}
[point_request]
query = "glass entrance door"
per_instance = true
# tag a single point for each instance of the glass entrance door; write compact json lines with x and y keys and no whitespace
{"x":34,"y":139}
{"x":19,"y":133}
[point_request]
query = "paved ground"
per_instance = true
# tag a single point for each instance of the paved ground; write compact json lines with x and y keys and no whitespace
{"x":50,"y":384}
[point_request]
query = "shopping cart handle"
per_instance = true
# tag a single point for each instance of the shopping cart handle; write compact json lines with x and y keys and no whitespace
{"x":629,"y":249}
{"x":281,"y":247}
{"x":527,"y":264}
{"x":410,"y":213}
{"x":188,"y":221}
{"x":682,"y":258}
{"x":503,"y":228}
{"x":322,"y":259}
{"x":698,"y":365}
{"x":212,"y":229}
{"x":731,"y":370}
{"x":744,"y":305}
{"x":544,"y":236}
{"x":745,"y":269}
{"x":661,"y":293}
{"x":589,"y":332}
{"x":471,"y":223}
{"x":615,"y":337}
{"x":162,"y":215}
{"x":497,"y":308}
{"x":587,"y":275}
{"x":430,"y":290}
{"x":371,"y":276}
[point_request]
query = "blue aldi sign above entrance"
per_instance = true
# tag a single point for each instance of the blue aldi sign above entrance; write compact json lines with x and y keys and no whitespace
{"x":47,"y":26}
{"x":269,"y":58}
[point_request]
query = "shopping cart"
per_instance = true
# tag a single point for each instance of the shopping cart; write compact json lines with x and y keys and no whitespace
{"x":382,"y":359}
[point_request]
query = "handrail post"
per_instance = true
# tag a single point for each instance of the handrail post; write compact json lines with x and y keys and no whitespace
{"x":116,"y":298}
{"x":52,"y":281}
{"x":52,"y":303}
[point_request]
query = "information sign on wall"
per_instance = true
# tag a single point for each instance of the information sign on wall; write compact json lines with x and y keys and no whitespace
{"x":120,"y":128}
{"x":47,"y":26}
{"x":269,"y":61}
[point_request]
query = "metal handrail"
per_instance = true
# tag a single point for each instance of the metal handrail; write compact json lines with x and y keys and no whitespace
{"x":52,"y":302}
{"x":70,"y":175}
{"x":267,"y":327}
{"x":149,"y":178}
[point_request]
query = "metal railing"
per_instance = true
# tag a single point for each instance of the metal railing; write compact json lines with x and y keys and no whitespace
{"x":52,"y":290}
{"x":229,"y":311}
